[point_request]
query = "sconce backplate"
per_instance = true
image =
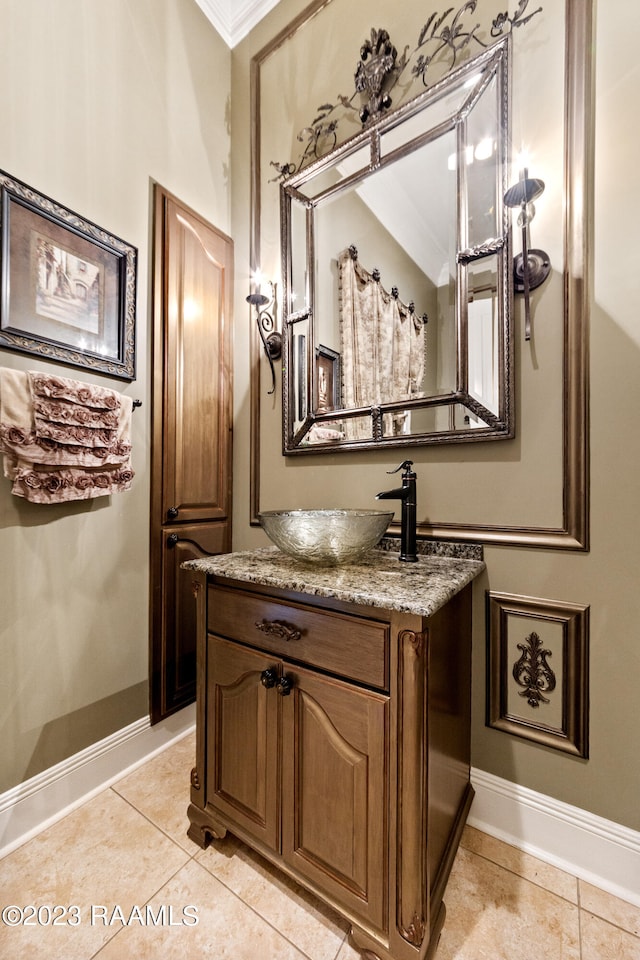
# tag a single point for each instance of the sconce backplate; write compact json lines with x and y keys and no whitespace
{"x":539,"y":266}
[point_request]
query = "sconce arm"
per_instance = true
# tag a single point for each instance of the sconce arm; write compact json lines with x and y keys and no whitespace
{"x":271,"y":338}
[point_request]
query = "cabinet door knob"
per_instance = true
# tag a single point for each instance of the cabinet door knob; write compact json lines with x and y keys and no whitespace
{"x":284,"y":686}
{"x":172,"y":513}
{"x":172,"y":539}
{"x":269,"y":678}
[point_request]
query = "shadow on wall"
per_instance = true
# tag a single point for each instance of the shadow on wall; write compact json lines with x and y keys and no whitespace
{"x":16,"y":512}
{"x":67,"y":735}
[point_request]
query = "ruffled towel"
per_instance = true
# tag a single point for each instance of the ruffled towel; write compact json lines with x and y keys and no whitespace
{"x":63,"y":439}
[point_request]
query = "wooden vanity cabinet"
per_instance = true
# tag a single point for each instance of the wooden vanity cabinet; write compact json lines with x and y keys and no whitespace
{"x":334,"y":740}
{"x":300,"y":772}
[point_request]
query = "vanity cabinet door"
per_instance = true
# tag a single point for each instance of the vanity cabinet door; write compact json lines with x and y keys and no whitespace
{"x":242,"y":738}
{"x":334,"y":788}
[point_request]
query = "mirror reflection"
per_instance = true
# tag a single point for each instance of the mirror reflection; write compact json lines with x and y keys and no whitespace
{"x":397,"y":287}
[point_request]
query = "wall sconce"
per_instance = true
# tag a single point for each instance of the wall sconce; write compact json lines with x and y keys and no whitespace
{"x":531,"y":267}
{"x":271,"y":338}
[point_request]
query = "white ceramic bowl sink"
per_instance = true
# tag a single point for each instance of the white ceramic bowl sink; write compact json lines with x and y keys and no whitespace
{"x":328,"y":537}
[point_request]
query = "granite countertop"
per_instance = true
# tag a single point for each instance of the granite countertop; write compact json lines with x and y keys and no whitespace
{"x":379,"y":580}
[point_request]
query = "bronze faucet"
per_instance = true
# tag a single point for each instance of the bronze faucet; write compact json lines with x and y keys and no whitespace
{"x":407,"y":494}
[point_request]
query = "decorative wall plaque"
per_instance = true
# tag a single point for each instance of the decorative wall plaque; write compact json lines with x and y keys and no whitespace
{"x":537,"y":670}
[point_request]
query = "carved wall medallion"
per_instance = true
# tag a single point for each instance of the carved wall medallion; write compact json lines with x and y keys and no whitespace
{"x":520,"y":679}
{"x":532,"y":671}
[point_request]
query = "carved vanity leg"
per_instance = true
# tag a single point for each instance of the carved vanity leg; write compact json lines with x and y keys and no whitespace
{"x":366,"y":953}
{"x":202,"y":829}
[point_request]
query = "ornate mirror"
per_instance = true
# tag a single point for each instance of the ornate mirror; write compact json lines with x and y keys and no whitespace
{"x":397,"y":270}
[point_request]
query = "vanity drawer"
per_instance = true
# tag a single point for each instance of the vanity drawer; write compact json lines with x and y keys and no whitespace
{"x":350,"y":646}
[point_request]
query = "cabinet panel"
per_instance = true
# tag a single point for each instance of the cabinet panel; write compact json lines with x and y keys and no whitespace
{"x":174,"y":622}
{"x":197,"y":462}
{"x":334,"y":789}
{"x":242,"y":735}
{"x":353,"y":647}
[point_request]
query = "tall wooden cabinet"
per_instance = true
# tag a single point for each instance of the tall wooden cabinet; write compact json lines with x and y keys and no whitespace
{"x":192,"y":419}
{"x":333,"y":738}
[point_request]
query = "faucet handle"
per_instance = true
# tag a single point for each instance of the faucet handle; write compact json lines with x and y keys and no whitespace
{"x":406,"y":466}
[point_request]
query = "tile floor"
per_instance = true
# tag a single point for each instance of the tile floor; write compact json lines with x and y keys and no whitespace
{"x":125,"y":862}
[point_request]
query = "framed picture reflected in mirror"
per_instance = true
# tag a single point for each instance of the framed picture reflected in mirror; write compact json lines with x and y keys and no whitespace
{"x":327,"y":379}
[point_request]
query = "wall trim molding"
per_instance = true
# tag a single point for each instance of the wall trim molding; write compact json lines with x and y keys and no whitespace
{"x":599,"y":851}
{"x":30,"y":807}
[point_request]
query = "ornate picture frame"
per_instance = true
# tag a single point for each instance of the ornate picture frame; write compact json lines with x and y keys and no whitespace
{"x":538,"y":671}
{"x":67,"y":287}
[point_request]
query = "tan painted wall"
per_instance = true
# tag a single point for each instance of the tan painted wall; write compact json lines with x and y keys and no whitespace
{"x":513,"y":482}
{"x":97,"y":100}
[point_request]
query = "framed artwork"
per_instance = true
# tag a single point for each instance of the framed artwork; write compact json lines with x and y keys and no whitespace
{"x":67,"y":287}
{"x":327,"y":379}
{"x":538,"y":671}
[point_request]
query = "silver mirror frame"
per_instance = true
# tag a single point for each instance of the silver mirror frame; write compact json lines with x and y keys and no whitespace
{"x":492,"y":62}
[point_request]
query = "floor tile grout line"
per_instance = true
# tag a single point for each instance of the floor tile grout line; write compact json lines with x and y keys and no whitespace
{"x":256,"y":913}
{"x":578,"y":904}
{"x":199,"y":862}
{"x":146,"y":902}
{"x":342,"y":943}
{"x":192,"y":858}
{"x":580,"y":912}
{"x":610,"y":922}
{"x":599,"y":916}
{"x":105,"y":944}
{"x":263,"y":918}
{"x":157,"y":826}
{"x":535,"y":883}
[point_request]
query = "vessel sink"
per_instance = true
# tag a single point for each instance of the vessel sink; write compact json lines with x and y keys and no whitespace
{"x":328,"y":537}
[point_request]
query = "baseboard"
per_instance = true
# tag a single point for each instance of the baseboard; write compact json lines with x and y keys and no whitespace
{"x":599,"y":851}
{"x":32,"y":806}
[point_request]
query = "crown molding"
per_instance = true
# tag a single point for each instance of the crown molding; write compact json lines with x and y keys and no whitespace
{"x":233,"y":19}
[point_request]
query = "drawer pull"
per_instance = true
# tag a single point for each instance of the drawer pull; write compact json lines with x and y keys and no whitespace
{"x":268,"y":678}
{"x":277,"y":628}
{"x":284,"y":686}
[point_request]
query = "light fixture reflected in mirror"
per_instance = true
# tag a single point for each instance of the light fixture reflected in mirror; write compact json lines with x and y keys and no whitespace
{"x":531,"y":267}
{"x":266,"y":306}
